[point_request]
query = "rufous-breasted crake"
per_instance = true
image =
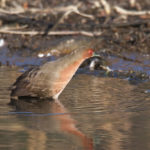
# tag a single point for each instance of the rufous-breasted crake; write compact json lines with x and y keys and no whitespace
{"x":50,"y":79}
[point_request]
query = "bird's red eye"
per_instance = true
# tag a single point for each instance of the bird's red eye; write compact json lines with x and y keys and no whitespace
{"x":90,"y":51}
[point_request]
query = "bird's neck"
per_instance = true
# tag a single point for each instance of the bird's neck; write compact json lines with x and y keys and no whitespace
{"x":69,"y":67}
{"x":72,"y":67}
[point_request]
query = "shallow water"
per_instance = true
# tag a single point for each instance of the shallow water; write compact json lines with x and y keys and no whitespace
{"x":93,"y":113}
{"x":132,"y":61}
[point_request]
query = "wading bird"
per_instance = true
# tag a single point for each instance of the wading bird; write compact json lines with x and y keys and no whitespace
{"x":50,"y":79}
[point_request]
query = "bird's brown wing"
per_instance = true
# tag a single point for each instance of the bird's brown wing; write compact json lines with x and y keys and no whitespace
{"x":31,"y":83}
{"x":19,"y":88}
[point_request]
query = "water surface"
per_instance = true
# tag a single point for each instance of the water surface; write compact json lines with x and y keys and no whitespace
{"x":93,"y":113}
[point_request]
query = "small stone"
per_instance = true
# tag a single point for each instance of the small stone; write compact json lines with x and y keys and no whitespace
{"x":40,"y":55}
{"x":2,"y":42}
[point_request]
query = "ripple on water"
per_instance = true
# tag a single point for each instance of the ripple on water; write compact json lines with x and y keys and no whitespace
{"x":96,"y":94}
{"x":109,"y":112}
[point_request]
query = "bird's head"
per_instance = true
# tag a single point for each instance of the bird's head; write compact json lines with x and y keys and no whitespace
{"x":89,"y":53}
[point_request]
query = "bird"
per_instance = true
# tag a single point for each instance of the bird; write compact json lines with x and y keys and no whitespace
{"x":50,"y":79}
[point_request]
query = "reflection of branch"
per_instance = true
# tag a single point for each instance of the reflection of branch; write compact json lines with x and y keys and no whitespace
{"x":129,"y":12}
{"x":85,"y":33}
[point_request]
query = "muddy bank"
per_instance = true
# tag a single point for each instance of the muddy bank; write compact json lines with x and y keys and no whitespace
{"x":119,"y":31}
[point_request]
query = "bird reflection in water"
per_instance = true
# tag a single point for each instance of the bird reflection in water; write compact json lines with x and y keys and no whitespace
{"x":47,"y":116}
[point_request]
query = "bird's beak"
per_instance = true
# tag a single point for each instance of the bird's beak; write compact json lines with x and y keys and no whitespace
{"x":96,"y":55}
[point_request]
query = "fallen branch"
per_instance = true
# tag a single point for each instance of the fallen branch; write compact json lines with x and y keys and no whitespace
{"x":71,"y":9}
{"x":106,"y":6}
{"x":3,"y":3}
{"x":132,"y":3}
{"x":130,"y":12}
{"x":65,"y":9}
{"x":33,"y":33}
{"x":12,"y":12}
{"x":17,"y":15}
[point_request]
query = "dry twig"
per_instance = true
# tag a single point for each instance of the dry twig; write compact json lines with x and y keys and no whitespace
{"x":132,"y":3}
{"x":106,"y":6}
{"x":66,"y":9}
{"x":131,"y":13}
{"x":33,"y":33}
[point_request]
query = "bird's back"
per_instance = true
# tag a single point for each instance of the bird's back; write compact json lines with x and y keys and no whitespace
{"x":35,"y":83}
